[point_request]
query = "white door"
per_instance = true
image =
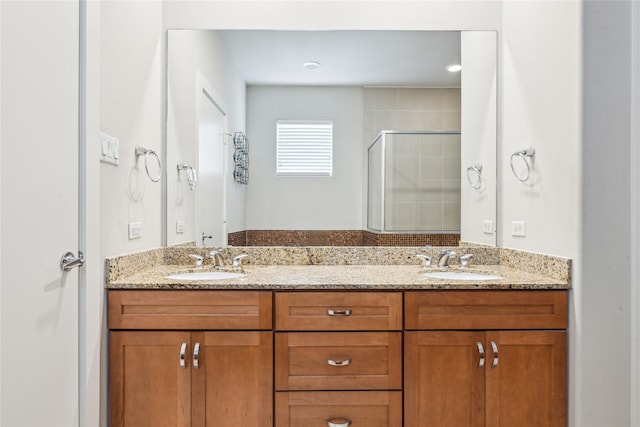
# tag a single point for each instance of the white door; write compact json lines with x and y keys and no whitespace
{"x":211,"y":170}
{"x":39,"y":223}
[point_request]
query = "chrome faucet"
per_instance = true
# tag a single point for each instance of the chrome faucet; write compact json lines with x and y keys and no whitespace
{"x":445,"y":257}
{"x":236,"y":263}
{"x":216,"y":256}
{"x":464,"y":260}
{"x":426,"y":260}
{"x":199,"y":259}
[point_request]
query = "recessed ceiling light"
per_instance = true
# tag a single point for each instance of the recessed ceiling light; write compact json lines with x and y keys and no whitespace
{"x":454,"y":68}
{"x":311,"y":65}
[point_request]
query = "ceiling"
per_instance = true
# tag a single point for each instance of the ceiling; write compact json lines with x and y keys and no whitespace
{"x":347,"y":58}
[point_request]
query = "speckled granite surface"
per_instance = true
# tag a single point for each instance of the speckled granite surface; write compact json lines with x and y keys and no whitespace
{"x":336,"y":277}
{"x":338,"y":268}
{"x":551,"y":266}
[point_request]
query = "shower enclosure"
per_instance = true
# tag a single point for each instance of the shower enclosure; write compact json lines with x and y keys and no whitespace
{"x":414,"y":182}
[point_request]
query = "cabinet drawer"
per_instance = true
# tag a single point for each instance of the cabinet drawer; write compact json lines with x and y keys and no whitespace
{"x":434,"y":310}
{"x":339,"y":361}
{"x":338,"y":311}
{"x":190,"y":310}
{"x":362,"y":408}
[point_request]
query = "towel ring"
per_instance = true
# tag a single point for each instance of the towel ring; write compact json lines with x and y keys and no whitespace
{"x":192,"y":177}
{"x":525,"y":155}
{"x":146,"y":152}
{"x":477,"y":171}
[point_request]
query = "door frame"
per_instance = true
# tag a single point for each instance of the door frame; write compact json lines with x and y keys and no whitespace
{"x":635,"y":213}
{"x":203,"y":87}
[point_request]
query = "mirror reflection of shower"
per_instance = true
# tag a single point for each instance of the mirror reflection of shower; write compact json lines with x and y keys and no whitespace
{"x":414,"y":182}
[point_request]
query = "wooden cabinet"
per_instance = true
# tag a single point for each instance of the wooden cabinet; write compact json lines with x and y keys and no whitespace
{"x":338,"y":359}
{"x":359,"y":358}
{"x":485,"y":377}
{"x":190,"y":378}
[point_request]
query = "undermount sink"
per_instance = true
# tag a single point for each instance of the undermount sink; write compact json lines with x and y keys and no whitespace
{"x":461,"y":275}
{"x":205,"y":275}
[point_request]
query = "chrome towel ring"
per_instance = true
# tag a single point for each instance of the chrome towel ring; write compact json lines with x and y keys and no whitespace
{"x":146,"y":152}
{"x":474,"y":176}
{"x":527,"y":157}
{"x":192,"y":176}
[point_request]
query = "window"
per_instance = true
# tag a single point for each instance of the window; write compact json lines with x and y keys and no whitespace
{"x":305,"y":147}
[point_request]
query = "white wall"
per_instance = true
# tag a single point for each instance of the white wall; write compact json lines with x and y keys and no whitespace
{"x":304,"y":203}
{"x":193,"y":53}
{"x":132,"y":48}
{"x":540,"y":94}
{"x":539,"y":106}
{"x":328,"y":14}
{"x":603,"y":341}
{"x":479,"y":133}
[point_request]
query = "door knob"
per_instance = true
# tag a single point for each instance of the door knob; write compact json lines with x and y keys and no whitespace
{"x":69,"y":261}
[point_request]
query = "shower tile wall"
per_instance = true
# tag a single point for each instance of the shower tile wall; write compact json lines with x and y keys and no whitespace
{"x":423,"y":185}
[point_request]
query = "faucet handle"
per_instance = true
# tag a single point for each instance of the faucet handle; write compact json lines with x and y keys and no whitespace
{"x":237,"y":260}
{"x":199,"y":259}
{"x":464,"y":259}
{"x":426,"y":260}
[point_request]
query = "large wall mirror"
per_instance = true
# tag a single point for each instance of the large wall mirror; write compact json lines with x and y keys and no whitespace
{"x":413,"y":149}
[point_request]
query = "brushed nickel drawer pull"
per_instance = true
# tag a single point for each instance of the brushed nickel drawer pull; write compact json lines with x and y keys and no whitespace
{"x":481,"y":351}
{"x":345,"y":362}
{"x":183,"y":355}
{"x":332,"y":312}
{"x":338,"y":422}
{"x":196,"y":354}
{"x":494,"y":346}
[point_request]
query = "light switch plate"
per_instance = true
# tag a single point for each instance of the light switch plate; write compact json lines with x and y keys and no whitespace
{"x":518,"y":228}
{"x":109,"y":149}
{"x":179,"y":226}
{"x":487,"y":226}
{"x":135,"y":230}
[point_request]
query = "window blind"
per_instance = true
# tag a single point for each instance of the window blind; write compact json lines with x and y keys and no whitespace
{"x":305,"y":147}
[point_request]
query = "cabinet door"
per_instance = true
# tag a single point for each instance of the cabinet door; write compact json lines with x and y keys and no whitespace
{"x":232,"y":379}
{"x":149,"y":384}
{"x":526,"y":382}
{"x":444,"y":379}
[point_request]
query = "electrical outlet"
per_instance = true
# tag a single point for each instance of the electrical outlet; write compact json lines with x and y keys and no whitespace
{"x":518,"y":228}
{"x":179,"y":226}
{"x":487,"y":226}
{"x":135,"y":230}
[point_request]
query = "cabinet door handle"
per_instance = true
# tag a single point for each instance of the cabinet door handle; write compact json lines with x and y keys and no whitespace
{"x":481,"y":351}
{"x":344,"y":362}
{"x":183,"y":355}
{"x":196,"y":353}
{"x":338,"y":422}
{"x":494,"y":347}
{"x":332,"y":312}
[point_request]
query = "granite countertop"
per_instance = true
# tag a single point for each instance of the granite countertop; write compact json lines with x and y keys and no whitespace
{"x":296,"y":277}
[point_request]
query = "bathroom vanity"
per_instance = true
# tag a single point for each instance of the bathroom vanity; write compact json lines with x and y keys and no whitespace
{"x":360,"y":345}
